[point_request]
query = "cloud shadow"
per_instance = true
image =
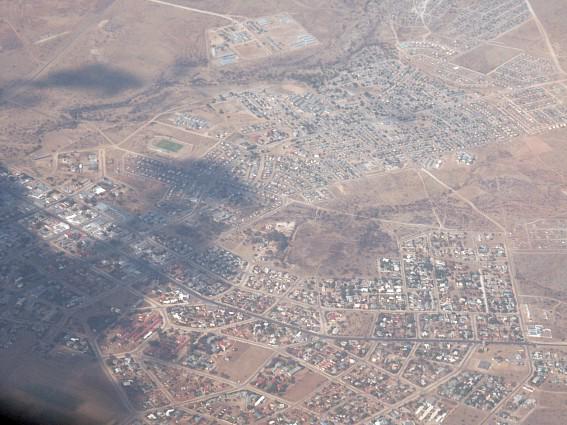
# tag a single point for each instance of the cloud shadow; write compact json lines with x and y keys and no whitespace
{"x":98,"y":78}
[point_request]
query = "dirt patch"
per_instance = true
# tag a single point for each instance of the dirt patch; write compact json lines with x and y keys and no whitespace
{"x":464,"y":415}
{"x":306,"y":382}
{"x":338,"y":245}
{"x":546,"y":417}
{"x":241,"y":361}
{"x":395,"y":196}
{"x":541,"y":274}
{"x":526,"y":37}
{"x":552,"y":14}
{"x":486,"y":57}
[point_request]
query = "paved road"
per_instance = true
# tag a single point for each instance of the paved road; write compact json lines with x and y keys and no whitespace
{"x":145,"y":266}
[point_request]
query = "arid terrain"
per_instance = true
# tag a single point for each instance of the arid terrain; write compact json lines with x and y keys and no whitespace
{"x":307,"y":212}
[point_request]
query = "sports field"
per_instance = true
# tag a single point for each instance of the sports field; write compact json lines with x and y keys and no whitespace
{"x":169,"y":145}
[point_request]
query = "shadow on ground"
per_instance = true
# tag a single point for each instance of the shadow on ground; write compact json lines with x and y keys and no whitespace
{"x":27,"y":365}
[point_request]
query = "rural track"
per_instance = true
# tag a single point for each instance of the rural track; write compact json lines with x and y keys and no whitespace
{"x":192,"y":9}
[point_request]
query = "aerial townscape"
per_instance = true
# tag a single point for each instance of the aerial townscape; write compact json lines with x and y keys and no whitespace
{"x":292,"y":212}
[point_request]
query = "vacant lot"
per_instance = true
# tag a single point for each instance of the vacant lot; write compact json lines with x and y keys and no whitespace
{"x":541,"y":274}
{"x":241,"y":361}
{"x":552,"y":13}
{"x":465,"y":415}
{"x":547,"y":416}
{"x":526,"y":37}
{"x":335,"y":245}
{"x":305,"y":383}
{"x":486,"y":57}
{"x":396,"y":196}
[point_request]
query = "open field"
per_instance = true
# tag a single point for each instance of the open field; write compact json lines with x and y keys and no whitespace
{"x":242,"y":361}
{"x":545,"y":416}
{"x":168,"y":145}
{"x":181,"y":144}
{"x":507,"y":178}
{"x":541,"y":274}
{"x":526,"y":37}
{"x":465,"y":415}
{"x":506,"y":362}
{"x":323,"y":245}
{"x":399,"y":196}
{"x":550,"y":14}
{"x":306,"y":382}
{"x":486,"y":58}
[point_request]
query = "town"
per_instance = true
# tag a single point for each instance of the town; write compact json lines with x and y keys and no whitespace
{"x":365,"y":241}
